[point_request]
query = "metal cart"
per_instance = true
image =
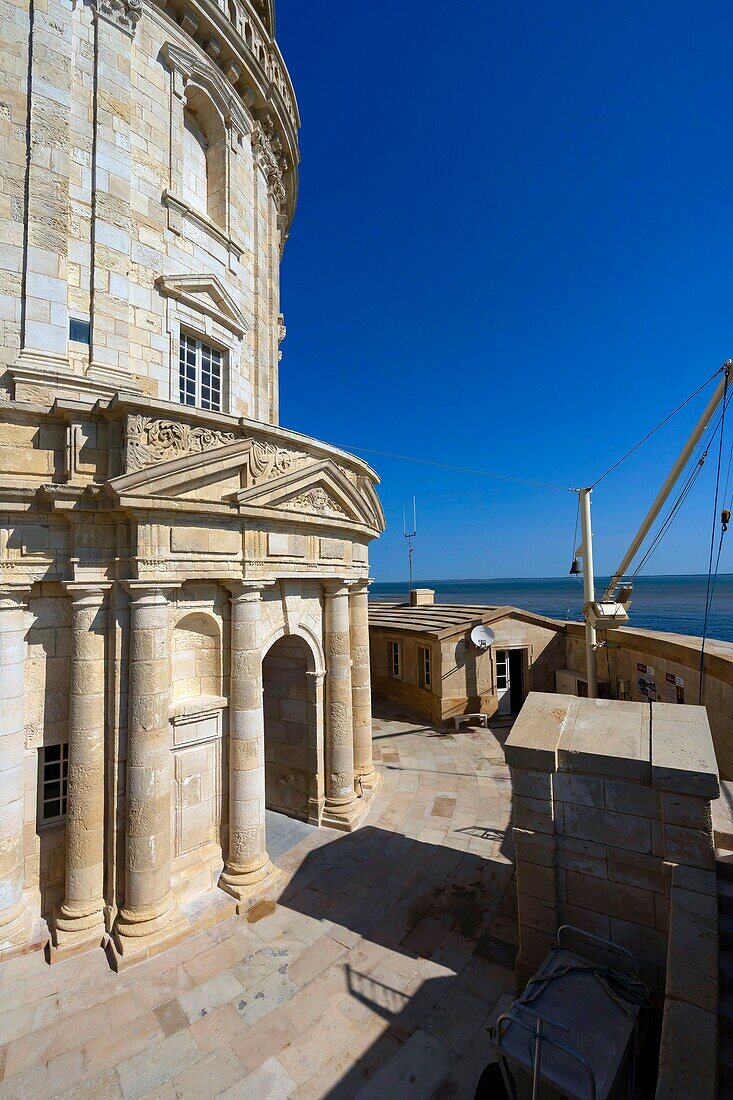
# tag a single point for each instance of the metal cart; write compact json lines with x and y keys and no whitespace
{"x":574,"y":1030}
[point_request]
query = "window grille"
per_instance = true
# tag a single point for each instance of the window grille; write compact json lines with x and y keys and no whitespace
{"x":199,"y":374}
{"x":53,"y":782}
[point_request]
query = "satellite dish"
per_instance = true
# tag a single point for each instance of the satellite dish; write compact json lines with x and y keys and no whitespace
{"x":483,"y":637}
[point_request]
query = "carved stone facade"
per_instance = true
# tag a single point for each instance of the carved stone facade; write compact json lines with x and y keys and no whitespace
{"x":183,"y":635}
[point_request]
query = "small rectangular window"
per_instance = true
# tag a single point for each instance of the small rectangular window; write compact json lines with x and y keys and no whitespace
{"x":80,"y":332}
{"x":199,"y":374}
{"x":395,"y":664}
{"x":424,"y":670}
{"x":53,"y":781}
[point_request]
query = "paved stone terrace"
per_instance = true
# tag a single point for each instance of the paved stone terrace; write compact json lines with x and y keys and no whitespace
{"x":376,"y":974}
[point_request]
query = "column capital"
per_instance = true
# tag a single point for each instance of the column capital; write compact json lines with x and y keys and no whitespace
{"x":360,"y":586}
{"x":14,"y":597}
{"x":91,"y":593}
{"x":338,"y":587}
{"x":316,"y":677}
{"x":247,"y":591}
{"x":141,"y":592}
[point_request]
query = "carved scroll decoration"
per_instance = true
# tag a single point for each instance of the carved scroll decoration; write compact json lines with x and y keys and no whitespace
{"x":267,"y":461}
{"x":123,"y":14}
{"x":149,"y":441}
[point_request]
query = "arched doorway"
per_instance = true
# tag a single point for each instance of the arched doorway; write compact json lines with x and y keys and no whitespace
{"x":290,"y":712}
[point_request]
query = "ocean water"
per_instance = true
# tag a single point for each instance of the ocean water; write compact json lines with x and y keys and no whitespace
{"x":675,"y":604}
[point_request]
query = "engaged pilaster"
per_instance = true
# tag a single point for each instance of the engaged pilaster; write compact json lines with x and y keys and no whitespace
{"x":342,"y":809}
{"x":248,"y":865}
{"x":15,"y":918}
{"x":149,"y":919}
{"x":361,"y":687}
{"x":79,"y":922}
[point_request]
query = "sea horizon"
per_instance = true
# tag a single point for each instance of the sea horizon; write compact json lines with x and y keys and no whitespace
{"x":668,"y":602}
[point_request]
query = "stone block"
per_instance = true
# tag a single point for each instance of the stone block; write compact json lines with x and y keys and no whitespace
{"x":536,"y":733}
{"x":691,"y":847}
{"x":607,"y":827}
{"x":683,"y":756}
{"x":606,"y":738}
{"x":532,"y":784}
{"x":532,"y":814}
{"x":612,"y":898}
{"x":578,"y":790}
{"x":688,"y":1055}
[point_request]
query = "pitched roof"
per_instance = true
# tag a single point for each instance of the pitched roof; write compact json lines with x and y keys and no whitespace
{"x":444,"y":620}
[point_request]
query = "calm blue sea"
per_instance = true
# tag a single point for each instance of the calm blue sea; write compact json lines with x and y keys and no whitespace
{"x":674,"y":604}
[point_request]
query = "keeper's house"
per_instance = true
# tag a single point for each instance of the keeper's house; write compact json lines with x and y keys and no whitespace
{"x":423,"y":658}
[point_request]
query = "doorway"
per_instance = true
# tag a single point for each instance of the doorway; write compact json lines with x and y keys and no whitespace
{"x":289,"y":727}
{"x":509,"y":681}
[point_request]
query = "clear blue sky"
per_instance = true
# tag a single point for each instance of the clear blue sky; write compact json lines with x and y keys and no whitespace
{"x":512,"y":251}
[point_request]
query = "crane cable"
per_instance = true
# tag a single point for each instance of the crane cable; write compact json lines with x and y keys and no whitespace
{"x":713,"y":573}
{"x":661,"y":424}
{"x":680,"y":498}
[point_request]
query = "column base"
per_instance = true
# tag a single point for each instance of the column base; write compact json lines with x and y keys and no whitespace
{"x":345,"y":816}
{"x":371,"y":781}
{"x":249,"y":887}
{"x":75,"y":933}
{"x":137,"y":937}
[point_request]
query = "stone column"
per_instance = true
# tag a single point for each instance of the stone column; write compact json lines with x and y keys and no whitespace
{"x":150,"y":918}
{"x":342,"y":809}
{"x":361,"y":687}
{"x":15,"y":919}
{"x":248,"y":864}
{"x":79,"y":922}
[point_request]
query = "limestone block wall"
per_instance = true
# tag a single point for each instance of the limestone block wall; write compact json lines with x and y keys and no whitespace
{"x":96,"y":184}
{"x":611,"y":817}
{"x":406,"y":691}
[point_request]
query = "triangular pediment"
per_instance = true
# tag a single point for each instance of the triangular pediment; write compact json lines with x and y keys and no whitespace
{"x":318,"y":490}
{"x":257,"y":477}
{"x":204,"y":294}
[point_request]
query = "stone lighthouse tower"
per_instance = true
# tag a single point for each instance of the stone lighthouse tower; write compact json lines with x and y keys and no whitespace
{"x":183,"y":583}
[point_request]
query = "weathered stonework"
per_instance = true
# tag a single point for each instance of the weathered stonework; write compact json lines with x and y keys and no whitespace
{"x":162,"y":540}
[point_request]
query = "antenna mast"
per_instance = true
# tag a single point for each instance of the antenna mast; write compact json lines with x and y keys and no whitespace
{"x":410,"y":535}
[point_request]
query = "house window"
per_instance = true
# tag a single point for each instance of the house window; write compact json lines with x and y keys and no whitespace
{"x":53,"y":783}
{"x":424,"y":671}
{"x":199,"y":374}
{"x":394,"y":660}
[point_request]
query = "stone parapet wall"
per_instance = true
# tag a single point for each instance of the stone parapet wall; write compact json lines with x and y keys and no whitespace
{"x":613,"y":835}
{"x":672,"y":658}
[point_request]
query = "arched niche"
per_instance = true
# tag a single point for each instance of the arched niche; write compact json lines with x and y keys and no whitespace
{"x":196,"y":657}
{"x":204,"y":156}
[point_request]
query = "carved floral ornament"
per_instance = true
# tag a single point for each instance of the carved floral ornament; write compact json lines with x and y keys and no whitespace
{"x":124,"y":14}
{"x":149,"y":441}
{"x":316,"y":501}
{"x":269,"y":157}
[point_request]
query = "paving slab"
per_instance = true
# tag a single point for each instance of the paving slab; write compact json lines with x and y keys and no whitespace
{"x":366,"y":976}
